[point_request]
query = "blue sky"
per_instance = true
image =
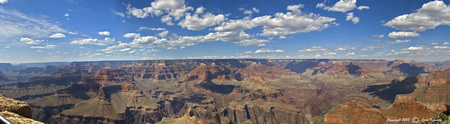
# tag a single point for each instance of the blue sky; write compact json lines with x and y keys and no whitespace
{"x":86,"y":30}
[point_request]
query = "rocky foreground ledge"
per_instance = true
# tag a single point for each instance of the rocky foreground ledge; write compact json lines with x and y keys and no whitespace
{"x":16,"y":111}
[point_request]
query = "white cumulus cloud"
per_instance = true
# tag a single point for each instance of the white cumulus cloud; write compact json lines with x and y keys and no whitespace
{"x":329,"y":53}
{"x":167,"y":4}
{"x":57,"y":35}
{"x":403,"y":34}
{"x":250,"y":11}
{"x":314,"y":49}
{"x":399,"y":41}
{"x":345,"y":48}
{"x":29,"y":40}
{"x":363,"y":7}
{"x":44,"y":47}
{"x":340,"y":6}
{"x":431,"y":15}
{"x":240,"y":38}
{"x":200,"y":10}
{"x":280,"y":23}
{"x":261,"y":45}
{"x":351,"y":54}
{"x":174,"y":10}
{"x":441,"y":47}
{"x":264,"y":50}
{"x":131,"y":35}
{"x":195,"y":22}
{"x":153,"y":29}
{"x":295,"y":8}
{"x":94,"y":41}
{"x":414,"y":48}
{"x":352,"y":18}
{"x":255,"y":10}
{"x":163,"y":34}
{"x":104,"y":33}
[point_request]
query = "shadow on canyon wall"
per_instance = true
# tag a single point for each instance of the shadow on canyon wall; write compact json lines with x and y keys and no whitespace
{"x":389,"y":91}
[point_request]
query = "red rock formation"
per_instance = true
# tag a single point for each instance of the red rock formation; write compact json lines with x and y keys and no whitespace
{"x":368,"y":66}
{"x":331,"y":68}
{"x":434,"y":79}
{"x":205,"y":72}
{"x":110,"y":75}
{"x":202,"y":72}
{"x":260,"y":70}
{"x":408,"y":110}
{"x":354,"y":113}
{"x":264,"y":91}
{"x":435,"y":97}
{"x":362,"y":113}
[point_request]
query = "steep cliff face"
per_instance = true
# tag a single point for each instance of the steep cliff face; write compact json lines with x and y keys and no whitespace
{"x":434,"y":79}
{"x":109,"y":75}
{"x":333,"y":68}
{"x":101,"y":106}
{"x":254,"y":113}
{"x":354,"y":113}
{"x":260,"y":70}
{"x":15,"y":111}
{"x":206,"y":72}
{"x":359,"y":112}
{"x":435,"y":97}
{"x":418,"y":99}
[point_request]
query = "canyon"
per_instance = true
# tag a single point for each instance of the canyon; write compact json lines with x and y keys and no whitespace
{"x":230,"y":91}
